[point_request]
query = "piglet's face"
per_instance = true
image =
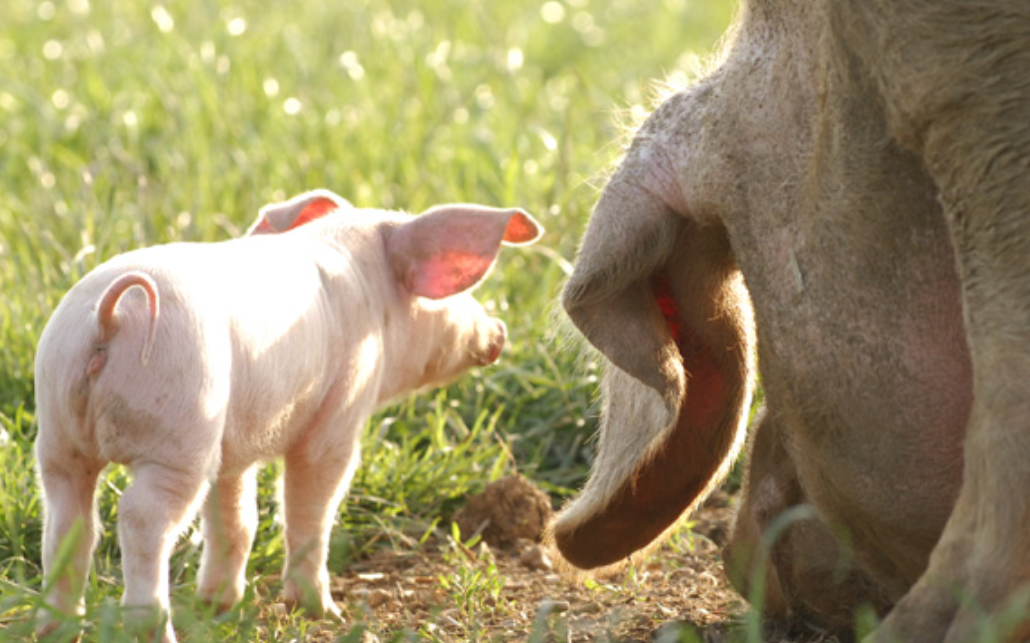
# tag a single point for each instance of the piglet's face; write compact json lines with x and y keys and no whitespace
{"x":463,"y":337}
{"x":438,"y":257}
{"x":434,"y":260}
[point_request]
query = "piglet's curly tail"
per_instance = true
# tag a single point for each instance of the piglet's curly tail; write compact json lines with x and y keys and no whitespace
{"x":107,"y":323}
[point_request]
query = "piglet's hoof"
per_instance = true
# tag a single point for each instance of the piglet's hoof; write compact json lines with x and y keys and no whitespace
{"x":329,"y":612}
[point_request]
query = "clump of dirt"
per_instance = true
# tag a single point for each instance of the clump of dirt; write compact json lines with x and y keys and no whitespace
{"x":506,"y":511}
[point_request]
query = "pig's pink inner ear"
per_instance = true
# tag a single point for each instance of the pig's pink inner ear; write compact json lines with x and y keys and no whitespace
{"x":313,"y":210}
{"x":522,"y":229}
{"x":450,"y":249}
{"x":282,"y":217}
{"x":448,"y":273}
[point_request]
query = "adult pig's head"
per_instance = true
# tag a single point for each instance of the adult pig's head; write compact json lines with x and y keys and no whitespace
{"x":657,"y":292}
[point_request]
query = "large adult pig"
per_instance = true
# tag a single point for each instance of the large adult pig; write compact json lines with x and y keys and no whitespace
{"x":845,"y":201}
{"x":191,"y":363}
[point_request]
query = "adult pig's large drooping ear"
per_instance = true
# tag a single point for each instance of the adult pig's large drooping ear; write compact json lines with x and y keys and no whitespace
{"x":451,"y":248}
{"x":659,"y":295}
{"x":280,"y":217}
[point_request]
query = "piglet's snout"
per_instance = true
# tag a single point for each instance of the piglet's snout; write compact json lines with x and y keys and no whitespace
{"x":496,"y":335}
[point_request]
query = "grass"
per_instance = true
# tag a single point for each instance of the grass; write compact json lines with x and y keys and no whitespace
{"x":125,"y":124}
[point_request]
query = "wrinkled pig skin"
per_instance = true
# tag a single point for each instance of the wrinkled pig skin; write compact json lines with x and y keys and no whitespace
{"x":862,"y":169}
{"x":193,"y":363}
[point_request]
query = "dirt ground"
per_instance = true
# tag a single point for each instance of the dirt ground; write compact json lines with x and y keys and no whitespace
{"x":680,"y":587}
{"x":403,"y":590}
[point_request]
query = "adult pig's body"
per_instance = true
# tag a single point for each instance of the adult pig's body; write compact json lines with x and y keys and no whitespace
{"x":878,"y":219}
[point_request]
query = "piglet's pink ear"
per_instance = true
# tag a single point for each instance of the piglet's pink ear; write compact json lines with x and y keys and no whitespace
{"x":275,"y":218}
{"x":451,"y":248}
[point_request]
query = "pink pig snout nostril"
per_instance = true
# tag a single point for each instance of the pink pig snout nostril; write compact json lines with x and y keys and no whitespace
{"x":496,"y":344}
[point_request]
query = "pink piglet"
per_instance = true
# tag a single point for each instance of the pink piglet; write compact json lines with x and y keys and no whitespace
{"x":192,"y":363}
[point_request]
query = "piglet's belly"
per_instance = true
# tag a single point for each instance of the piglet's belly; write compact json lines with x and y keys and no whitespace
{"x":251,"y":437}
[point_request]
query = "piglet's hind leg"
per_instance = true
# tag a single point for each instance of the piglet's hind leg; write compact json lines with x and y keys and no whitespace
{"x":152,"y":513}
{"x":229,"y":523}
{"x":69,"y":481}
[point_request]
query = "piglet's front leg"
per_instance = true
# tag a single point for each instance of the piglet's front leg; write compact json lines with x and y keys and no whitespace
{"x":316,"y":477}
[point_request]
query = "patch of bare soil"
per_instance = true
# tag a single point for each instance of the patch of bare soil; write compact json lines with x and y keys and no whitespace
{"x":393,"y":591}
{"x":510,"y":591}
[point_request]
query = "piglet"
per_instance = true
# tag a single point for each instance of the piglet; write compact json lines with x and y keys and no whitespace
{"x":191,"y":363}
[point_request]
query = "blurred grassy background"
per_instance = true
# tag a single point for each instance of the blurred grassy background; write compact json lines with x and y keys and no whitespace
{"x":127,"y":123}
